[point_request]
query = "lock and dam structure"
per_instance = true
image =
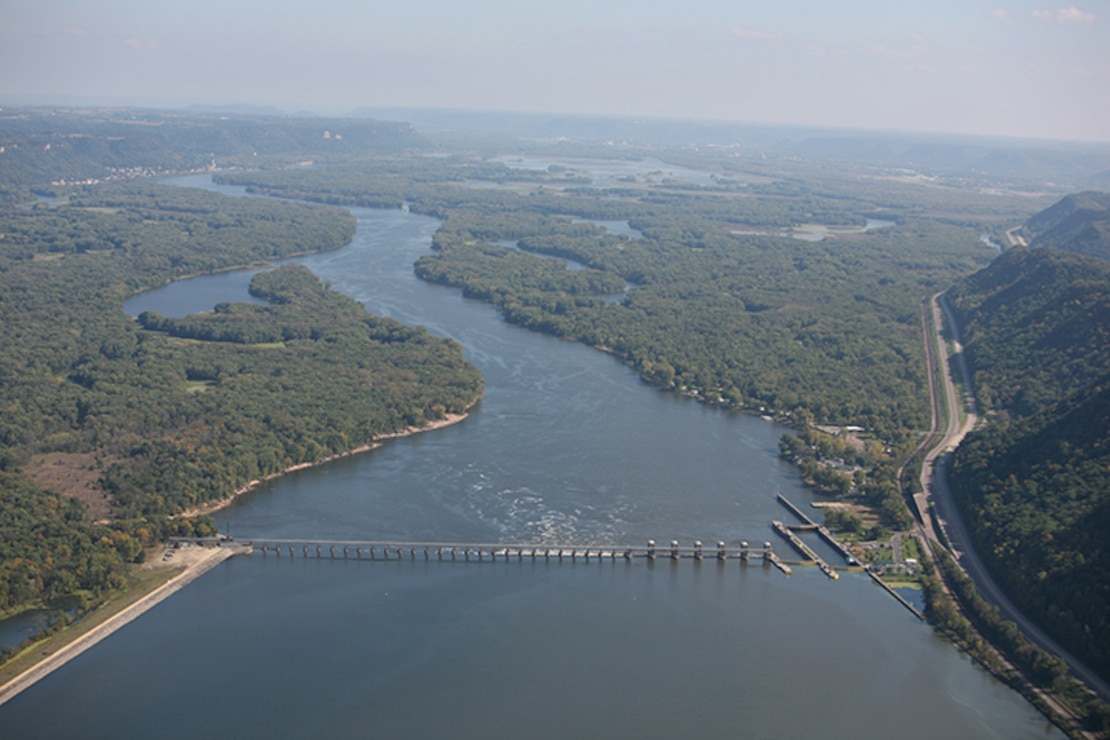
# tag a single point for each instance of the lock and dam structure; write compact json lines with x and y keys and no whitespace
{"x":473,"y":552}
{"x":470,"y":552}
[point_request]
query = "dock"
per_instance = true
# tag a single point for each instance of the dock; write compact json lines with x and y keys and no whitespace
{"x":890,"y":590}
{"x":809,"y":524}
{"x":821,"y":529}
{"x":805,"y":549}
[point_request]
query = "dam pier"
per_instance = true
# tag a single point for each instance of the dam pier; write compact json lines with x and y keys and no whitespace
{"x":494,"y":552}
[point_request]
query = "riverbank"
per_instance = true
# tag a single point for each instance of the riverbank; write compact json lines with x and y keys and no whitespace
{"x":197,"y":562}
{"x":203,"y":560}
{"x":214,"y":506}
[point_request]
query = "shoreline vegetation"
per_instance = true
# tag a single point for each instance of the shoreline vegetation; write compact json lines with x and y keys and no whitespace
{"x":214,"y":506}
{"x":65,"y":645}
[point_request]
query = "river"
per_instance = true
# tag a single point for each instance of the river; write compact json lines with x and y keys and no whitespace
{"x":566,"y":445}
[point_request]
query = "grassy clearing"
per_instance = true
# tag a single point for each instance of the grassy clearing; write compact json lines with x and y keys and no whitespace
{"x":911,"y":548}
{"x":900,"y":581}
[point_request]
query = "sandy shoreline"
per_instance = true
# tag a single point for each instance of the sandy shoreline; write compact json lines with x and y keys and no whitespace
{"x":209,"y":559}
{"x":214,"y":506}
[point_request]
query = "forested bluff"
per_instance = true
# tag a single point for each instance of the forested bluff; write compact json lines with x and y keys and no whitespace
{"x":1034,"y":483}
{"x":826,"y":331}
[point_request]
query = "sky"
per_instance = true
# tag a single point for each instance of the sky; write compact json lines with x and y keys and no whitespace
{"x":1029,"y":68}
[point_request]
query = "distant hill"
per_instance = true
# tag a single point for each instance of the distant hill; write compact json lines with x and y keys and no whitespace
{"x":1034,"y":484}
{"x":1098,"y":181}
{"x":41,"y":146}
{"x":959,"y":160}
{"x":236,"y":109}
{"x":1077,"y":223}
{"x":963,"y":160}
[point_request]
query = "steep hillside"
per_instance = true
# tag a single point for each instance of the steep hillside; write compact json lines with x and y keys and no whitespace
{"x":1034,"y":485}
{"x":1077,"y":223}
{"x":1037,"y":494}
{"x":1036,"y":324}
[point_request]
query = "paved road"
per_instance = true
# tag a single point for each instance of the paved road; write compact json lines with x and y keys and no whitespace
{"x":934,"y":482}
{"x":955,"y":431}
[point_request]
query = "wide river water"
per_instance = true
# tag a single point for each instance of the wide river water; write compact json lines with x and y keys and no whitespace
{"x":567,"y":446}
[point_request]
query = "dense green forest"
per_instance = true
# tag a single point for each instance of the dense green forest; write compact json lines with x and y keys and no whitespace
{"x":171,"y":413}
{"x":746,"y":320}
{"x":1037,"y":490}
{"x":1035,"y":483}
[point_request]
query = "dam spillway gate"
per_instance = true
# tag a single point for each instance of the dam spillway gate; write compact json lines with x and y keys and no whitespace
{"x":472,"y":552}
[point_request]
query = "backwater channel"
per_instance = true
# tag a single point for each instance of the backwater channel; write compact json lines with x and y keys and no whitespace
{"x":567,"y":446}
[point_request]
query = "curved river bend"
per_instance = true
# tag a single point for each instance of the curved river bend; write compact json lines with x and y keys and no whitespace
{"x":566,"y":445}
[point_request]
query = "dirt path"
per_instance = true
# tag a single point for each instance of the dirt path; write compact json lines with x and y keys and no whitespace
{"x":202,"y":561}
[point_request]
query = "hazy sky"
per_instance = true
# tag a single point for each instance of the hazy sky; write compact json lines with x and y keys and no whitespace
{"x":1013,"y":67}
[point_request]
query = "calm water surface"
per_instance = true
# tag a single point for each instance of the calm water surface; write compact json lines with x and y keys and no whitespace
{"x":567,"y":445}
